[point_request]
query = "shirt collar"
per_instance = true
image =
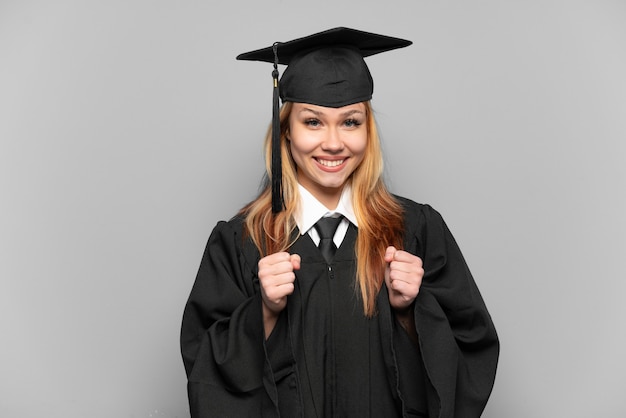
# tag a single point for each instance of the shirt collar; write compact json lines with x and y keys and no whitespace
{"x":311,"y":210}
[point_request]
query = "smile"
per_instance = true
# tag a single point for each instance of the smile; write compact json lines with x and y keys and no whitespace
{"x":330,"y":163}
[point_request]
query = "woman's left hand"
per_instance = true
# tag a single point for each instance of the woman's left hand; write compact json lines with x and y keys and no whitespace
{"x":403,"y":277}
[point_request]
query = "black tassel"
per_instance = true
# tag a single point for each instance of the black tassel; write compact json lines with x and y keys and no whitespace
{"x":277,"y":168}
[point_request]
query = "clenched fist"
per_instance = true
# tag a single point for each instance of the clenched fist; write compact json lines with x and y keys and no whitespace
{"x":276,"y":276}
{"x":403,"y":277}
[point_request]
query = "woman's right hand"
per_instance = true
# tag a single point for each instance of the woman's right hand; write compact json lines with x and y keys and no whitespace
{"x":276,"y":276}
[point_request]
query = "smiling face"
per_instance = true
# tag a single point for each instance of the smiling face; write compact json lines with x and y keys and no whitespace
{"x":327,"y":145}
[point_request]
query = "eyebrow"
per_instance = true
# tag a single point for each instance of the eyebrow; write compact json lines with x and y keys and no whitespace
{"x":344,"y":114}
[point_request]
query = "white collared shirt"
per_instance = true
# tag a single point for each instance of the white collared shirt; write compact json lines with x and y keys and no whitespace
{"x":311,"y":210}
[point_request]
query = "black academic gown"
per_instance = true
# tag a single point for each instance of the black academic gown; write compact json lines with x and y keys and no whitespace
{"x":324,"y":358}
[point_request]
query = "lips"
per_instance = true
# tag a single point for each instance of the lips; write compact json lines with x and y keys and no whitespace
{"x":330,"y":163}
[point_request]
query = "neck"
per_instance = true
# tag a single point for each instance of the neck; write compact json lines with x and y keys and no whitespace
{"x":329,"y":197}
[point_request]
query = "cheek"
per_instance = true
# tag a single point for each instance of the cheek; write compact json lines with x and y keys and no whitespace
{"x":298,"y":151}
{"x":302,"y":142}
{"x":359,"y":146}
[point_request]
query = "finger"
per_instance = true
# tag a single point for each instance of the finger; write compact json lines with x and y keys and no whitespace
{"x":281,"y":290}
{"x":276,"y":269}
{"x":274,"y":259}
{"x":280,"y":257}
{"x":295,"y":261}
{"x":276,"y":295}
{"x":398,"y":268}
{"x":279,"y":286}
{"x":407,"y":257}
{"x":389,"y":253}
{"x":396,"y":276}
{"x":407,"y":262}
{"x":398,"y":285}
{"x":409,"y":273}
{"x":405,"y":288}
{"x":286,"y":277}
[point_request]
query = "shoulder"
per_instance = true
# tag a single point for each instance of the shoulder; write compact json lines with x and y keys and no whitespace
{"x":225,"y":232}
{"x":232,"y":234}
{"x":234,"y":225}
{"x":230,"y":243}
{"x":422,"y":224}
{"x":418,"y":213}
{"x":426,"y":233}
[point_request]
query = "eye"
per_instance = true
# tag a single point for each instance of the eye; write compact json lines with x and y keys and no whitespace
{"x":352,"y":123}
{"x":312,"y":122}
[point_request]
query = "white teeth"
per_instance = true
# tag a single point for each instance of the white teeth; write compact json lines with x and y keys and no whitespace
{"x":333,"y":163}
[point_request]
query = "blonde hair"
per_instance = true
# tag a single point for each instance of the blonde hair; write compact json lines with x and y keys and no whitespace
{"x":379,"y":215}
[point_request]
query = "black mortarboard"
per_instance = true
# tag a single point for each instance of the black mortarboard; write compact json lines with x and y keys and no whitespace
{"x":324,"y":69}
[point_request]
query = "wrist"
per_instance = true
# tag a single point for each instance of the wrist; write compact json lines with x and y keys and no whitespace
{"x":404,"y":312}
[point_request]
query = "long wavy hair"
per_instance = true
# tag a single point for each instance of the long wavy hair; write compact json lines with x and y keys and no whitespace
{"x":379,"y":215}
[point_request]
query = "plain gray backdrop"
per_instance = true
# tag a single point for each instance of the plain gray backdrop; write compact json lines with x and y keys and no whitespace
{"x":127,"y":130}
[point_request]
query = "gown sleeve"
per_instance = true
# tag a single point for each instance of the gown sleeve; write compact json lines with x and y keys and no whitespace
{"x":458,"y":339}
{"x":222,"y":338}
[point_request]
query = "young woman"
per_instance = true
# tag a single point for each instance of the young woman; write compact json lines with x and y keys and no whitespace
{"x":377,"y":317}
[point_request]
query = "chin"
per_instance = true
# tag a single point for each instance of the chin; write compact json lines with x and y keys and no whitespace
{"x":333,"y":186}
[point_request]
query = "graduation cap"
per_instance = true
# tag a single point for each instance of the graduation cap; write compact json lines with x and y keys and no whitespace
{"x":325,"y":69}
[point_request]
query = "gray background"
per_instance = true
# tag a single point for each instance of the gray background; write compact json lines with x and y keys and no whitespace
{"x":127,"y":130}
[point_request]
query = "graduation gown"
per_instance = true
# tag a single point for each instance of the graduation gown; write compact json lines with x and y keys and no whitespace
{"x":324,"y":358}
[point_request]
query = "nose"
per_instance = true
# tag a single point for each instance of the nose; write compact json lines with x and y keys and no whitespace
{"x":332,"y":142}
